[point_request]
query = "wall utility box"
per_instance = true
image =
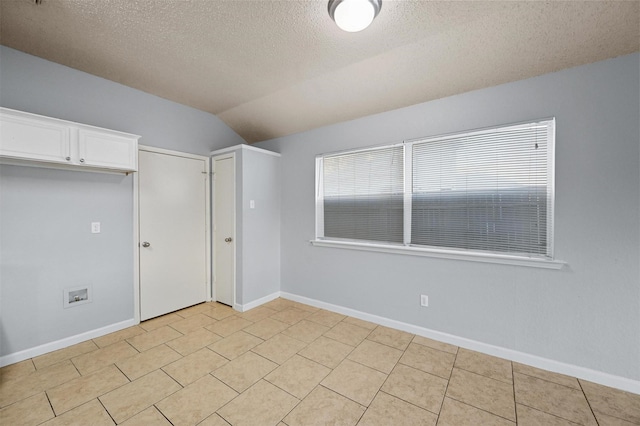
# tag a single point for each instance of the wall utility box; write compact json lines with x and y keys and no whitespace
{"x":75,"y":296}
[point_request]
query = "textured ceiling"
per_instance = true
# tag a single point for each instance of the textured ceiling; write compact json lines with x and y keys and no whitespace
{"x":271,"y":68}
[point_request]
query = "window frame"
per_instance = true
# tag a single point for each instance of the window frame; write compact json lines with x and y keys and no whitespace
{"x":548,"y":261}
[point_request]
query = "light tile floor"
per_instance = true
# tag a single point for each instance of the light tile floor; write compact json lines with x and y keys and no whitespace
{"x":285,"y":363}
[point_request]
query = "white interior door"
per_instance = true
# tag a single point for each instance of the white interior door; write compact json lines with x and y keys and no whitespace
{"x":224,"y":228}
{"x":173,"y":232}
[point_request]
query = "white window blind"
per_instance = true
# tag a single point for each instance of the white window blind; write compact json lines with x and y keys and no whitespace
{"x":362,"y":195}
{"x":488,"y":191}
{"x":482,"y":192}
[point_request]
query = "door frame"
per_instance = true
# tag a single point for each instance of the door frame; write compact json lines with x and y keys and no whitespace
{"x":214,"y":157}
{"x":136,"y":225}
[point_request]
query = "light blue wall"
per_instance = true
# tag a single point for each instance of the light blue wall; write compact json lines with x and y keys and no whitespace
{"x":260,"y":226}
{"x":45,"y":214}
{"x":46,"y":246}
{"x":587,"y":314}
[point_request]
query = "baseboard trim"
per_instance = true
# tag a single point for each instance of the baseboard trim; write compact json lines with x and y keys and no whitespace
{"x":257,"y":302}
{"x":63,"y":343}
{"x":595,"y":376}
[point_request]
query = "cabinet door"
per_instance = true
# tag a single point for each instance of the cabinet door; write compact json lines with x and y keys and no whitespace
{"x":107,"y":150}
{"x":34,"y":140}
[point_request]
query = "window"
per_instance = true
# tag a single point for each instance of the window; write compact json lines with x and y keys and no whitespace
{"x":488,"y":191}
{"x":363,"y":195}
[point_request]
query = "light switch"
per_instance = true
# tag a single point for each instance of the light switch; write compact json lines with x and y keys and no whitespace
{"x":252,"y":204}
{"x":95,"y":227}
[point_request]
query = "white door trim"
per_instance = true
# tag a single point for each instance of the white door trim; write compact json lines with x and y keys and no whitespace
{"x":231,"y":155}
{"x":136,"y":225}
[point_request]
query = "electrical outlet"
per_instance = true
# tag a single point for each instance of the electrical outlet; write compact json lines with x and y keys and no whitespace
{"x":424,"y":300}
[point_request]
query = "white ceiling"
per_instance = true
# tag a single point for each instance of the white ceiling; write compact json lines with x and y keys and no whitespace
{"x":271,"y":68}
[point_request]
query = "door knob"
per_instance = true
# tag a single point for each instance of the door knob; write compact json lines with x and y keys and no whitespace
{"x":146,"y":244}
{"x":228,"y":240}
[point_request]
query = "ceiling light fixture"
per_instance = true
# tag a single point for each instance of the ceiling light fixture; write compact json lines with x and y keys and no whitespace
{"x":354,"y":15}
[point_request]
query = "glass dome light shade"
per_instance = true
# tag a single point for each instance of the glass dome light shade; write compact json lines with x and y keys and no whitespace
{"x":354,"y":15}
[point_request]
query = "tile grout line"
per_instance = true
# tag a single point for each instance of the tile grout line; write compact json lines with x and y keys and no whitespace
{"x":588,"y":402}
{"x":50,"y":405}
{"x":483,"y":409}
{"x":331,"y":328}
{"x":348,"y":344}
{"x":408,"y":402}
{"x":375,"y":369}
{"x":214,"y":351}
{"x":227,"y":403}
{"x":592,"y":410}
{"x":107,"y":411}
{"x":371,"y":340}
{"x":446,"y":389}
{"x":513,"y":383}
{"x":547,"y":380}
{"x":307,"y":343}
{"x":123,"y":373}
{"x":215,"y":413}
{"x":486,"y":377}
{"x":128,"y":343}
{"x":283,"y":390}
{"x":74,"y":366}
{"x":549,"y":414}
{"x":159,"y":411}
{"x":300,"y":400}
{"x":366,"y":407}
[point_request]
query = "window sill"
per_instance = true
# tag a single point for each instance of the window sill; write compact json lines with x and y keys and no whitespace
{"x":443,"y":254}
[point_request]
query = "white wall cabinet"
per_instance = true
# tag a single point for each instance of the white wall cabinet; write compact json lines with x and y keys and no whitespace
{"x":32,"y":139}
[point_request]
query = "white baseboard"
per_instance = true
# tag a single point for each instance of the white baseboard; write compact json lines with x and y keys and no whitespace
{"x":63,"y":343}
{"x":595,"y":376}
{"x":257,"y":302}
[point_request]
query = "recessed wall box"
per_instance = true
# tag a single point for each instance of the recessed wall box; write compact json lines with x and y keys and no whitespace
{"x":76,"y":296}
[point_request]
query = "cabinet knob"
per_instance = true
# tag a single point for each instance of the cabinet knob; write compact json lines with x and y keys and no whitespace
{"x":82,"y":160}
{"x":228,"y":240}
{"x":68,"y":158}
{"x":146,"y":244}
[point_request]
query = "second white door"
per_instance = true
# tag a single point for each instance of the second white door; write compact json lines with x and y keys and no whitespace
{"x":224,"y":243}
{"x":173,"y":232}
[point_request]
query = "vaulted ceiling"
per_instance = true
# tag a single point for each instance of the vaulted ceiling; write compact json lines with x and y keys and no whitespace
{"x":270,"y":68}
